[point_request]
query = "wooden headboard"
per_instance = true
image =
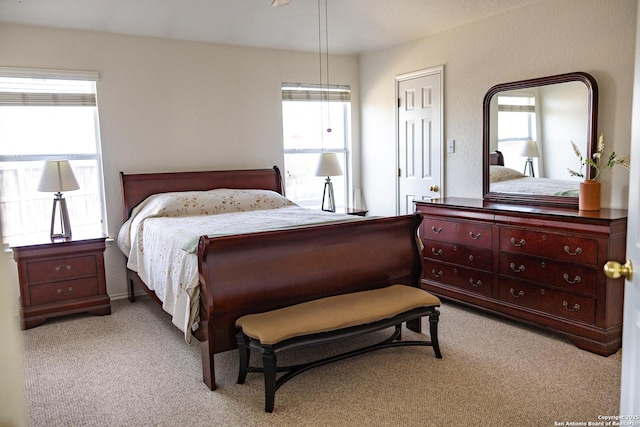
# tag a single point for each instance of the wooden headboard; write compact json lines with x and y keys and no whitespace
{"x":137,"y":187}
{"x":496,"y":158}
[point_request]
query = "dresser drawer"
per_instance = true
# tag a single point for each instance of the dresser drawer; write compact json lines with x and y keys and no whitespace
{"x":61,"y":269}
{"x":565,"y":304}
{"x":574,"y":278}
{"x":551,"y":245}
{"x":465,"y":278}
{"x":461,"y":232}
{"x":468,"y":256}
{"x":63,"y":291}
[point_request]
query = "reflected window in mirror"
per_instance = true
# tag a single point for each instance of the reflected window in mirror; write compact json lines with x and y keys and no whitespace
{"x":516,"y":127}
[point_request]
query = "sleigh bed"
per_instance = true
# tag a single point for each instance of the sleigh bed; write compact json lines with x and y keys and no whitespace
{"x":244,"y":273}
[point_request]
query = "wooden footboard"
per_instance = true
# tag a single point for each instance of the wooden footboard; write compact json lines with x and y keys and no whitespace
{"x":264,"y":271}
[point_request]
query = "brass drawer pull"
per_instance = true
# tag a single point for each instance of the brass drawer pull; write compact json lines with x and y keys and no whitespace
{"x":517,"y":270}
{"x":474,"y":236}
{"x":514,"y":243}
{"x":68,"y":291}
{"x":63,"y":266}
{"x":476,"y":284}
{"x":470,"y":257}
{"x":575,"y":307}
{"x":574,"y":281}
{"x":437,"y":273}
{"x":578,"y":251}
{"x":436,"y":230}
{"x":518,"y":295}
{"x":436,"y":253}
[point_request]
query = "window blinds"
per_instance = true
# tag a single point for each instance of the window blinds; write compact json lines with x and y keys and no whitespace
{"x":36,"y":87}
{"x":315,"y":92}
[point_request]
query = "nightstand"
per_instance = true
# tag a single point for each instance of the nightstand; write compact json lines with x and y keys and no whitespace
{"x":61,"y":277}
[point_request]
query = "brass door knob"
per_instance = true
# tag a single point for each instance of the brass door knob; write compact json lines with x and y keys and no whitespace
{"x":434,"y":188}
{"x":614,"y":270}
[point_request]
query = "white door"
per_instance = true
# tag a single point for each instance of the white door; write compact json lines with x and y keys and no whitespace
{"x":630,"y":390}
{"x":419,"y":124}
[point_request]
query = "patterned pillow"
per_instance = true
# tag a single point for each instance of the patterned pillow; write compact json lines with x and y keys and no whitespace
{"x":222,"y":200}
{"x":502,"y":173}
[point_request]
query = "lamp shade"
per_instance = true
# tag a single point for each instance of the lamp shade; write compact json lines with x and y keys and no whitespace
{"x":328,"y":165}
{"x":57,"y":176}
{"x":529,"y":149}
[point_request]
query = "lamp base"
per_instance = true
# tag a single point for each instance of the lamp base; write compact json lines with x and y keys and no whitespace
{"x":328,"y":196}
{"x":528,"y":167}
{"x":60,"y":207}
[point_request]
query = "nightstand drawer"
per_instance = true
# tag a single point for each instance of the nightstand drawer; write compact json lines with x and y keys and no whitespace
{"x":63,"y":291}
{"x":61,"y":269}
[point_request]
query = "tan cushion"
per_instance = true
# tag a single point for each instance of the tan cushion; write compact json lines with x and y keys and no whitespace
{"x":331,"y":313}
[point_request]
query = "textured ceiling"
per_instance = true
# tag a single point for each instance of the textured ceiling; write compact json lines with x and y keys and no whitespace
{"x":355,"y":26}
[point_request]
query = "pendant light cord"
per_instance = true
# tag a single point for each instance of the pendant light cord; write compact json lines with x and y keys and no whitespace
{"x":324,"y":94}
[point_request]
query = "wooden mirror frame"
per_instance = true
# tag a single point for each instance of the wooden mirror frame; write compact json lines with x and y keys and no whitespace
{"x":592,"y":108}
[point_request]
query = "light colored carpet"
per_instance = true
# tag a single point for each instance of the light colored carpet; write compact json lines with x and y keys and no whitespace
{"x":133,"y":368}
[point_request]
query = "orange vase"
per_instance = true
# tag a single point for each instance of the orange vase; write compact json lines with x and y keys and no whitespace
{"x":589,"y":195}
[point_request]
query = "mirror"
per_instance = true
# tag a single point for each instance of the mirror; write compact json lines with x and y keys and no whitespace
{"x":528,"y":128}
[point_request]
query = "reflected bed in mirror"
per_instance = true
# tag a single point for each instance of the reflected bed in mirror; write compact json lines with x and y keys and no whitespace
{"x":528,"y":129}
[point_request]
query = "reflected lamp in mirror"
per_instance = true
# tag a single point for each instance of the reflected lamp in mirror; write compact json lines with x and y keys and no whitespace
{"x":529,"y":150}
{"x":57,"y":176}
{"x":328,"y":166}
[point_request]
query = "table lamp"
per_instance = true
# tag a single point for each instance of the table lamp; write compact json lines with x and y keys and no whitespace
{"x":57,"y":176}
{"x":328,"y":166}
{"x":529,"y":150}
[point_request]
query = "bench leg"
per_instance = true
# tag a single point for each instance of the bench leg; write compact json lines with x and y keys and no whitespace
{"x":269,"y":365}
{"x":433,"y":331}
{"x":243,"y":351}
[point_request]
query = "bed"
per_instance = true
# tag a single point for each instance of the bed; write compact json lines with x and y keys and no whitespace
{"x":249,"y":272}
{"x":503,"y":179}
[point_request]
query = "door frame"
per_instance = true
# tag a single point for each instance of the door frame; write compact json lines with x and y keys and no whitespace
{"x":409,"y":76}
{"x":630,"y":372}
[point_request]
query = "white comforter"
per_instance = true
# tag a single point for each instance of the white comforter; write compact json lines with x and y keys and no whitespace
{"x":160,"y":239}
{"x":537,"y":186}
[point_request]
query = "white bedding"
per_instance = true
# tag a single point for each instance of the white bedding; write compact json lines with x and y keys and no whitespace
{"x":160,"y":238}
{"x":539,"y":186}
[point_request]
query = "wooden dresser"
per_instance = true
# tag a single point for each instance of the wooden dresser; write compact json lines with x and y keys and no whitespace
{"x":61,"y":277}
{"x":538,"y":265}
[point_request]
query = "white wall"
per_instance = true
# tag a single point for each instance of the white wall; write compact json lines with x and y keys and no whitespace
{"x":171,"y":106}
{"x":544,"y":38}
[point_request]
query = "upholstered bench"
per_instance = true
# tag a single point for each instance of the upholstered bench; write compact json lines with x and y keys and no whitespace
{"x":330,"y":319}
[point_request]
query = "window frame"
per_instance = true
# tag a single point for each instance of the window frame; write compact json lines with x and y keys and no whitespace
{"x":91,"y":77}
{"x":300,"y":92}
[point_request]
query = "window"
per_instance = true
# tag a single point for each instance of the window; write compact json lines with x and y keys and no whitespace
{"x":48,"y":117}
{"x":516,"y":126}
{"x":308,"y":111}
